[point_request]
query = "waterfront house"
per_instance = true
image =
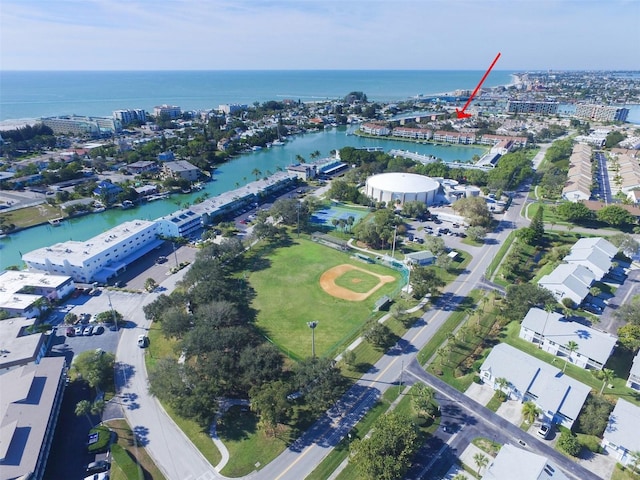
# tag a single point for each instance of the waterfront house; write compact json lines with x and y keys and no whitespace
{"x":181,"y":169}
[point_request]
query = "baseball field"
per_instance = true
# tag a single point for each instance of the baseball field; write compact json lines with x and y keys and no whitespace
{"x":308,"y":282}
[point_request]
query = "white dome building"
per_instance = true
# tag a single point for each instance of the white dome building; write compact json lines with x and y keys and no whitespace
{"x":402,"y":187}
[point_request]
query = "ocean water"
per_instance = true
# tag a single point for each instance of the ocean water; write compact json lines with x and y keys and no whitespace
{"x":42,"y":94}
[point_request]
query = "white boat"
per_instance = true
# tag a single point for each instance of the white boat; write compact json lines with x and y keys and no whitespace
{"x":256,"y":148}
{"x":56,"y":221}
{"x":277,"y":143}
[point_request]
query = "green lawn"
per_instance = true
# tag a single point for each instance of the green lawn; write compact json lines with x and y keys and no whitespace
{"x":619,"y":362}
{"x":288,"y":295}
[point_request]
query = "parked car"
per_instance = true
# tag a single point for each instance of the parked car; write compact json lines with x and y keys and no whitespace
{"x":70,"y":332}
{"x":88,"y":331}
{"x":98,"y":467}
{"x":142,"y":341}
{"x":98,"y":330}
{"x":78,"y":330}
{"x":544,"y":430}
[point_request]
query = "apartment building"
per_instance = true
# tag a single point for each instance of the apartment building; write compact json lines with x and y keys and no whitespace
{"x":99,"y":258}
{"x":170,"y":111}
{"x":529,"y":107}
{"x":130,"y":115}
{"x":181,"y":170}
{"x":601,"y":113}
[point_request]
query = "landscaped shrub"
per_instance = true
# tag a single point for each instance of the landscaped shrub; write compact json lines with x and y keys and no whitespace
{"x":569,"y":443}
{"x":101,"y":444}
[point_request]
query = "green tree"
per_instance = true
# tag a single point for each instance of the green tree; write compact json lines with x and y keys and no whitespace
{"x":387,"y":453}
{"x":423,"y":400}
{"x":530,"y":411}
{"x":521,"y":298}
{"x":474,"y":210}
{"x":150,"y":284}
{"x":625,"y":243}
{"x":594,"y":415}
{"x":537,"y":225}
{"x":628,"y":312}
{"x":615,"y":216}
{"x":569,"y":443}
{"x":502,"y":384}
{"x":571,"y":347}
{"x":83,"y":407}
{"x":607,"y":376}
{"x":481,"y":461}
{"x":614,"y":137}
{"x":70,"y":318}
{"x":270,"y":402}
{"x":95,"y":367}
{"x":378,"y":334}
{"x":349,"y":357}
{"x":574,"y":212}
{"x":476,"y":234}
{"x":629,"y":337}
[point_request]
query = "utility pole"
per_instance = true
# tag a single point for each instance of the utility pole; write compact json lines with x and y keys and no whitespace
{"x":175,"y":255}
{"x":113,"y":313}
{"x":393,"y":251}
{"x":312,"y":326}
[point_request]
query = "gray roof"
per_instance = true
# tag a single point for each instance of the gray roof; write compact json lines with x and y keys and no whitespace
{"x":529,"y":465}
{"x":570,"y":276}
{"x":595,"y":260}
{"x":26,"y":403}
{"x":420,"y":255}
{"x":623,"y":426}
{"x":592,"y":343}
{"x":16,"y":349}
{"x":555,"y":391}
{"x":596,"y":242}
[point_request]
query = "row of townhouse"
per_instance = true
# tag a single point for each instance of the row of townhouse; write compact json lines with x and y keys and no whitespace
{"x":589,"y":260}
{"x":579,"y":177}
{"x":454,"y":137}
{"x":624,"y":170}
{"x":551,"y":332}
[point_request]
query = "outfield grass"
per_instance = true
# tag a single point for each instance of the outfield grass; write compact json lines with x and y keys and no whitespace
{"x":289,"y":295}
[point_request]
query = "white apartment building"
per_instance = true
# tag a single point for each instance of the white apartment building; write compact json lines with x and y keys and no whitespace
{"x":76,"y":125}
{"x":601,"y":113}
{"x":172,"y":111}
{"x":130,"y":115}
{"x":21,"y":291}
{"x":100,"y":257}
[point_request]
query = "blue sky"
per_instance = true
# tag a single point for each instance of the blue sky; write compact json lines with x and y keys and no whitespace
{"x":314,"y":34}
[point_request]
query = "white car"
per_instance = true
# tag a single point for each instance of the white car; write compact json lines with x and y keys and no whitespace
{"x":142,"y":341}
{"x":544,"y":430}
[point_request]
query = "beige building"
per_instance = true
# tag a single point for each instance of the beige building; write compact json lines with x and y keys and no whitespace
{"x":181,"y":169}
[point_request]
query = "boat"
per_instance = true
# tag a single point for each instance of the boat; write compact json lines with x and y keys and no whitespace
{"x":255,"y":148}
{"x":55,"y":222}
{"x":98,"y":209}
{"x":127,"y":204}
{"x":277,"y":143}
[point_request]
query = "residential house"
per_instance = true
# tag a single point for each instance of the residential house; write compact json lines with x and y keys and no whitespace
{"x":558,"y":396}
{"x":568,"y":280}
{"x":142,"y":166}
{"x":552,"y":332}
{"x":634,"y":374}
{"x":304,"y":171}
{"x":596,"y":254}
{"x":375,"y":129}
{"x":529,"y":466}
{"x":579,"y":177}
{"x":107,"y":191}
{"x":620,"y":438}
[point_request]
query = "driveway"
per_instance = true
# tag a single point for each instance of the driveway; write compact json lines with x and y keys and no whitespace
{"x":512,"y":411}
{"x":480,"y":392}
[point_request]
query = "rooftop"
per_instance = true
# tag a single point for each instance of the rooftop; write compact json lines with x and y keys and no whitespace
{"x":623,"y":426}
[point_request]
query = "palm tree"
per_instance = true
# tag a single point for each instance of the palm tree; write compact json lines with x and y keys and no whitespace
{"x":502,"y":383}
{"x":548,"y":307}
{"x":530,"y":411}
{"x":607,"y":376}
{"x":256,"y":172}
{"x":635,"y":461}
{"x":571,"y":347}
{"x":300,"y":159}
{"x":481,"y":461}
{"x":83,"y":407}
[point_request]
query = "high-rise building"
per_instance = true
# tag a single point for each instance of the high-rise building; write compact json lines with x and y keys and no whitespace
{"x":601,"y":113}
{"x":130,"y":115}
{"x":523,"y":106}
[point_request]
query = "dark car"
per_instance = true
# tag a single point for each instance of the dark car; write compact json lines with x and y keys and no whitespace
{"x":98,"y":330}
{"x":98,"y":467}
{"x":70,"y":332}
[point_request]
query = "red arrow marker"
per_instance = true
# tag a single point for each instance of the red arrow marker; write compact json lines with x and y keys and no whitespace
{"x":462,"y":113}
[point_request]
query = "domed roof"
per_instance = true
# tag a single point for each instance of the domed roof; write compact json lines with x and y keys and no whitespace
{"x":403,"y":182}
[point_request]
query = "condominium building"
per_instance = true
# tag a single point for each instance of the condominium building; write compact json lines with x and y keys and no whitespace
{"x":181,"y":169}
{"x":171,"y":111}
{"x":21,"y":292}
{"x":29,"y":407}
{"x":454,"y":137}
{"x":131,"y":115}
{"x":601,"y":113}
{"x":76,"y":125}
{"x":414,"y":133}
{"x":232,"y":108}
{"x":99,"y":258}
{"x":524,"y":106}
{"x":375,"y":129}
{"x":579,"y":176}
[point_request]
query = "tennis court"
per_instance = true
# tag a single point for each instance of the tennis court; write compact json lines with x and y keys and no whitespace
{"x":339,"y":212}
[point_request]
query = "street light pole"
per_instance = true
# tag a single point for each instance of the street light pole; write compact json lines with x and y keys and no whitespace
{"x":312,"y":326}
{"x":175,"y":255}
{"x":113,"y":313}
{"x":393,"y":251}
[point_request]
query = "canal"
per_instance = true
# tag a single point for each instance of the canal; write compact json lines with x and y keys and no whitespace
{"x":233,"y":174}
